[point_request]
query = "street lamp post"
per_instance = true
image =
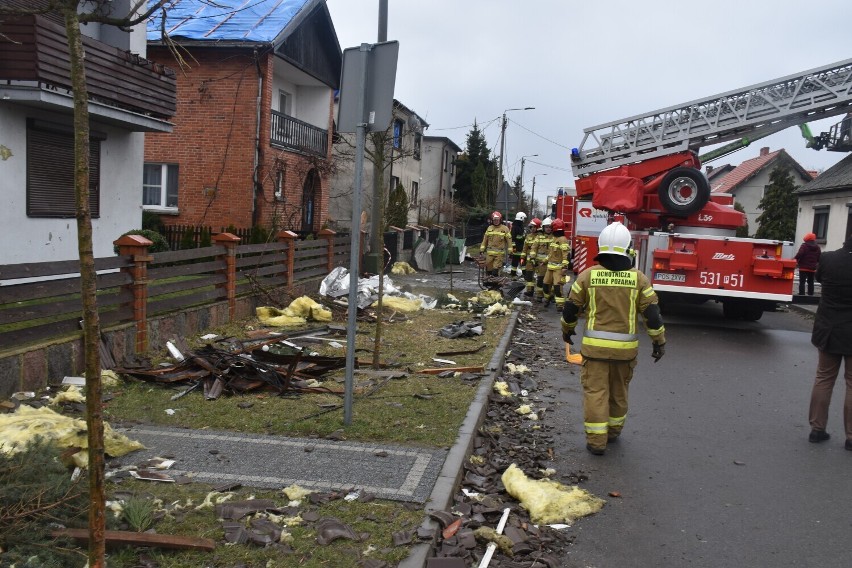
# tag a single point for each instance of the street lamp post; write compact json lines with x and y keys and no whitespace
{"x":523,"y":159}
{"x":503,"y":149}
{"x":532,"y":194}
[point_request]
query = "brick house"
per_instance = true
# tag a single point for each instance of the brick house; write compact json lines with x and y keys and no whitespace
{"x":251,"y":145}
{"x":36,"y":131}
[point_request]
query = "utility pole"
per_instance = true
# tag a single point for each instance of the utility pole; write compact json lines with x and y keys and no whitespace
{"x":532,"y":195}
{"x":521,"y":194}
{"x":503,"y":149}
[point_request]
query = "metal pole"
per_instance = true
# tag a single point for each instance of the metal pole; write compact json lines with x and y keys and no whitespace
{"x":373,"y":260}
{"x":355,"y":240}
{"x":383,"y":20}
{"x":500,"y":175}
{"x":532,"y":198}
{"x":521,"y":189}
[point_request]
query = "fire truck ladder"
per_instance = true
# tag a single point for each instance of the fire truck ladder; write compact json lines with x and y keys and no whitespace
{"x":743,"y":113}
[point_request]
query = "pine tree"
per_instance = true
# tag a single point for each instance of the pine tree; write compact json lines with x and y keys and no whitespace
{"x":479,"y":187}
{"x":397,"y":213}
{"x":742,"y":232}
{"x":476,"y":153}
{"x":779,"y":206}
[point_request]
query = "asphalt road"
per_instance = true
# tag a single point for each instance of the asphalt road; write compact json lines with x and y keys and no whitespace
{"x":714,"y":468}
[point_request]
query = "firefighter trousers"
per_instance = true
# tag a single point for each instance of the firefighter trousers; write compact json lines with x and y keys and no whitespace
{"x":605,"y":385}
{"x":494,"y":262}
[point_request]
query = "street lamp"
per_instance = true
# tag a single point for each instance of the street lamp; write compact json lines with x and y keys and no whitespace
{"x":523,"y":159}
{"x":502,"y":149}
{"x":532,"y":194}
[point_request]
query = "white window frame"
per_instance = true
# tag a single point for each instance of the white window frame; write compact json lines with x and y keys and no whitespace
{"x":287,"y":98}
{"x":164,"y":189}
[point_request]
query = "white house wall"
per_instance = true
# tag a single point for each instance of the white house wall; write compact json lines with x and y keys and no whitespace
{"x":41,"y":240}
{"x":839,"y":204}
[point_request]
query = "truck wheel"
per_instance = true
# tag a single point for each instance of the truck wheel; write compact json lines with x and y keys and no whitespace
{"x":684,"y":191}
{"x":732,"y":310}
{"x":752,"y":314}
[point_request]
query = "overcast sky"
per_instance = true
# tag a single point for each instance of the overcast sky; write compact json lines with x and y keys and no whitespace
{"x":585,"y":63}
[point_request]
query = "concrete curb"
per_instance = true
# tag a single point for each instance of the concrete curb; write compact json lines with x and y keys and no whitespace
{"x":445,"y":486}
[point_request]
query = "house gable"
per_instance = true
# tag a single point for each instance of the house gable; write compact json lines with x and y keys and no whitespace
{"x":313,"y":47}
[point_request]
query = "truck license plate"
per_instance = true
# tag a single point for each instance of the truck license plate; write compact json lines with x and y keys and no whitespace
{"x":668,"y":277}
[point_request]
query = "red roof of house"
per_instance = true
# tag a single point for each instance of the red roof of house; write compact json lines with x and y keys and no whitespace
{"x":743,"y":172}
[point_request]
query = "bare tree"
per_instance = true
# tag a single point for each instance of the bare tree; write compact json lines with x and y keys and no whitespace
{"x":74,"y":13}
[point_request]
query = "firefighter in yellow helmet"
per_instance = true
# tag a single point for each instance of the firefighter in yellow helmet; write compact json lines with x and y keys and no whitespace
{"x":496,"y":244}
{"x":614,"y":295}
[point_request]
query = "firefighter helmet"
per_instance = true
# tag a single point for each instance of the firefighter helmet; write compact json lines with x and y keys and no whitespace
{"x":536,"y":221}
{"x":558,"y":225}
{"x":520,"y":216}
{"x":546,"y":224}
{"x":496,"y":215}
{"x":615,"y":239}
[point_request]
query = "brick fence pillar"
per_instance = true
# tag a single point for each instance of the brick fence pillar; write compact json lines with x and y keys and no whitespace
{"x":289,"y":237}
{"x":136,"y":247}
{"x":328,"y":235}
{"x":229,"y":242}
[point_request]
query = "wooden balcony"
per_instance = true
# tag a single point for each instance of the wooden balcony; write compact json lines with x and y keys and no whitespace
{"x":289,"y":132}
{"x":34,"y":52}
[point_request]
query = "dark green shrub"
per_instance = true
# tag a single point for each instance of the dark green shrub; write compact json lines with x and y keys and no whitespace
{"x":258,"y":235}
{"x":206,"y":238}
{"x":159,"y":241}
{"x":187,"y":240}
{"x":152,"y":221}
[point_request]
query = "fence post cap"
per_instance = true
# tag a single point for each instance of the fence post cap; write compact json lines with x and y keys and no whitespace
{"x":326,"y":233}
{"x":226,"y":238}
{"x":284,"y":235}
{"x":132,"y":241}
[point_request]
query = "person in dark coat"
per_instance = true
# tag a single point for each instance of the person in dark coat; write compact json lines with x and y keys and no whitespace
{"x":808,"y":259}
{"x":832,"y":336}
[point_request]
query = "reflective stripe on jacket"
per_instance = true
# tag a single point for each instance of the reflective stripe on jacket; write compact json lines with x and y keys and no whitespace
{"x":558,"y":253}
{"x":496,"y":240}
{"x":615,"y":300}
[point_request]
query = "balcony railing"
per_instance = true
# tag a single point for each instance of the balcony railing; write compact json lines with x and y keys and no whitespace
{"x":35,"y":50}
{"x":292,"y":133}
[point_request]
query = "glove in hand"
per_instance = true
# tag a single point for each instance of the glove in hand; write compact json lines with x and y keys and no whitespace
{"x":659,"y":351}
{"x":567,"y":332}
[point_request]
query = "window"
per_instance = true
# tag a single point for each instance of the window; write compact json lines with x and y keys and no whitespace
{"x":415,"y":191}
{"x":446,"y":159}
{"x":160,"y":186}
{"x":394,"y":181}
{"x":821,"y":223}
{"x":397,"y":134}
{"x":417,"y":139}
{"x":285,"y":103}
{"x":848,"y":232}
{"x":50,"y":170}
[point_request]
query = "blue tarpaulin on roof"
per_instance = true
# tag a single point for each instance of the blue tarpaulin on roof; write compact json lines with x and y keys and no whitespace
{"x":227,"y":20}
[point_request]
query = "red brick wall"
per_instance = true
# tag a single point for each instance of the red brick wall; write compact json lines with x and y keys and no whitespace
{"x":214,"y":144}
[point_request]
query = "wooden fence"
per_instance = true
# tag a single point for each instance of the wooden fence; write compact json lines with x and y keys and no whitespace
{"x":137,"y":286}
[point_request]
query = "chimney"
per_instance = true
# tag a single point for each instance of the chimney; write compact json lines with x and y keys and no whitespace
{"x":764,"y":151}
{"x":709,"y":169}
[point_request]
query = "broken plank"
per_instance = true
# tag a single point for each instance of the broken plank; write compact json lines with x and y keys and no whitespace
{"x":474,"y":369}
{"x":466,"y":352}
{"x":131,"y":538}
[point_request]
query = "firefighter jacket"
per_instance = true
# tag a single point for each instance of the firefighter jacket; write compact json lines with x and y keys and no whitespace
{"x":614,"y":299}
{"x":540,"y":247}
{"x":559,"y":253}
{"x":497,"y":240}
{"x":518,"y":237}
{"x":527,"y":249}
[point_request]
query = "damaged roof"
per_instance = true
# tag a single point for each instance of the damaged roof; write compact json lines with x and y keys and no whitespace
{"x":266,"y":21}
{"x":837,"y":177}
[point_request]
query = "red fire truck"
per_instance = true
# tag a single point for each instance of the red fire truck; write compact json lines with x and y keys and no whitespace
{"x":645,"y":171}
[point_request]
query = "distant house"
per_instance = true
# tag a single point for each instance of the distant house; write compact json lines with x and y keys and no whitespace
{"x":748,"y":181}
{"x":251,"y":145}
{"x":439,"y":174}
{"x":403,"y":165}
{"x":36,"y":132}
{"x":825,"y":206}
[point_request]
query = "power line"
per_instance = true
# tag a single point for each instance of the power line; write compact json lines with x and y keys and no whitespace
{"x":540,"y":136}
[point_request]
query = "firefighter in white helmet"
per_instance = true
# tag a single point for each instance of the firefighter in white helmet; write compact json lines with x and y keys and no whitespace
{"x":614,"y":294}
{"x":518,"y":236}
{"x":539,"y":251}
{"x":496,"y":243}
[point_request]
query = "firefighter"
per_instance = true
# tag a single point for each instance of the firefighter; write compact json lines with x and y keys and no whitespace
{"x":518,"y":238}
{"x":558,"y":262}
{"x":528,"y":256}
{"x":495,"y":244}
{"x":541,"y":248}
{"x":614,"y":293}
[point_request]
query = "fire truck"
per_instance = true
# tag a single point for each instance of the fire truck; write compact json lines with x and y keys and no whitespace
{"x":645,"y":171}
